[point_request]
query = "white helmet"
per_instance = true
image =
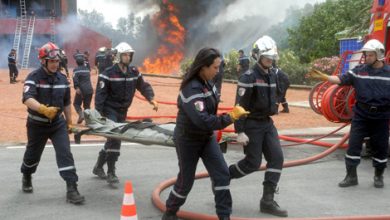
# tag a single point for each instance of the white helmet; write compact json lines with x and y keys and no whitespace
{"x":267,"y":47}
{"x":123,"y":47}
{"x":102,"y":49}
{"x":376,"y":46}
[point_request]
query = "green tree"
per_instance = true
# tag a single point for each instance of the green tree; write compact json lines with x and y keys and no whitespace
{"x":315,"y":37}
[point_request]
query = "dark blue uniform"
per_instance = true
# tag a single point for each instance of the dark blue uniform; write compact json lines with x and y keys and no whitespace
{"x":13,"y":70}
{"x":283,"y":83}
{"x":196,"y":120}
{"x":256,"y":92}
{"x":52,"y":90}
{"x":82,"y":80}
{"x":100,"y":61}
{"x":114,"y":95}
{"x":372,"y":113}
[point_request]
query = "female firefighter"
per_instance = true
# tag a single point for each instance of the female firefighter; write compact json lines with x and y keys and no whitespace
{"x":196,"y":120}
{"x":372,"y":110}
{"x":257,"y":92}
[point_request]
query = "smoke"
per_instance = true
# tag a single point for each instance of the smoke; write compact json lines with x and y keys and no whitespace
{"x":69,"y":29}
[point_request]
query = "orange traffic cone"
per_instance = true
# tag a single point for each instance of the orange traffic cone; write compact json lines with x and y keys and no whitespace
{"x":129,"y":211}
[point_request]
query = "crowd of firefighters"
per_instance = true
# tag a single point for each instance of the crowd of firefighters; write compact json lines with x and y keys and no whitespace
{"x":260,"y":90}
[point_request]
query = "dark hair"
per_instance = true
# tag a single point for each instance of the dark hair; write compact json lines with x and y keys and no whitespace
{"x":205,"y":57}
{"x":241,"y":51}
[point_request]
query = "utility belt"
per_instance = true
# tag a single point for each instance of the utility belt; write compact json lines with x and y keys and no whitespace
{"x":41,"y":119}
{"x":258,"y":118}
{"x":373,"y":109}
{"x":189,"y":133}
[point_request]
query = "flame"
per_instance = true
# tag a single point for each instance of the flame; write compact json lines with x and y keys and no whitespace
{"x":172,"y":35}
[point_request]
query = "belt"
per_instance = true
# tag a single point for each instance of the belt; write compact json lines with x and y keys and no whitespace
{"x":373,"y":109}
{"x":40,"y":119}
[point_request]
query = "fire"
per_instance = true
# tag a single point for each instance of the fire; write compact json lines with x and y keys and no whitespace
{"x":170,"y":53}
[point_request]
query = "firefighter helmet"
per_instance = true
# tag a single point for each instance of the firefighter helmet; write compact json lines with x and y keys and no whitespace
{"x":121,"y":48}
{"x":376,"y":46}
{"x":49,"y":51}
{"x":102,"y":49}
{"x":267,"y":48}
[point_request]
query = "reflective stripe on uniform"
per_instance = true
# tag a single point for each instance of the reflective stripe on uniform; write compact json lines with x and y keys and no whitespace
{"x":46,"y":86}
{"x":113,"y":150}
{"x":32,"y":165}
{"x":200,"y":95}
{"x":178,"y":195}
{"x":379,"y":160}
{"x":251,"y":85}
{"x":119,"y":79}
{"x":66,"y":168}
{"x":368,"y":77}
{"x":273,"y":170}
{"x":352,"y":157}
{"x":239,"y":170}
{"x":221,"y":188}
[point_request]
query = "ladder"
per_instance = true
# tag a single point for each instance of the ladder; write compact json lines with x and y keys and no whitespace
{"x":23,"y":14}
{"x":53,"y":29}
{"x":18,"y":33}
{"x":27,"y":44}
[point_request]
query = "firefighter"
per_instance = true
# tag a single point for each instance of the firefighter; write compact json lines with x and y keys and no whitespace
{"x":196,"y":120}
{"x":64,"y":62}
{"x":100,"y":59}
{"x":46,"y":93}
{"x":83,"y":86}
{"x":78,"y":55}
{"x":114,"y":95}
{"x":371,"y":82}
{"x":257,"y":93}
{"x":86,"y":60}
{"x":218,"y":79}
{"x":13,"y":70}
{"x":282,"y":83}
{"x":243,"y":63}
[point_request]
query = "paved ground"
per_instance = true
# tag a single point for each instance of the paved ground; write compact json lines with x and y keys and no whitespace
{"x":306,"y":191}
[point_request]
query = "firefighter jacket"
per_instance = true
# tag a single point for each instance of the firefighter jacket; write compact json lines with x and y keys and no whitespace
{"x":11,"y":59}
{"x":116,"y":89}
{"x":244,"y":63}
{"x":372,"y":87}
{"x":52,"y":90}
{"x":256,"y":93}
{"x":82,"y":80}
{"x":198,"y":105}
{"x":282,"y":80}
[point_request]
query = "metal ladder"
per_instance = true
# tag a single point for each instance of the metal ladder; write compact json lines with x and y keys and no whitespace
{"x":52,"y":29}
{"x":27,"y":44}
{"x":18,"y":33}
{"x":23,"y":14}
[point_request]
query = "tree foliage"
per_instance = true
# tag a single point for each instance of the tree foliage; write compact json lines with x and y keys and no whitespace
{"x":314,"y":37}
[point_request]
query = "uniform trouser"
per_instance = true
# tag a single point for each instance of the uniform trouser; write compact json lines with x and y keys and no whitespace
{"x":84,"y":100}
{"x":112,"y":146}
{"x":189,"y":150}
{"x":282,"y":97}
{"x":13,"y":71}
{"x":378,"y":131}
{"x":38,"y":133}
{"x":263,"y":139}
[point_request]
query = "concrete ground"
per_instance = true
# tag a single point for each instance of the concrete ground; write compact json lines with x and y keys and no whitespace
{"x":305,"y":191}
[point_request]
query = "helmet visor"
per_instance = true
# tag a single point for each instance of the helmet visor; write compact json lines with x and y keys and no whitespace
{"x":53,"y":54}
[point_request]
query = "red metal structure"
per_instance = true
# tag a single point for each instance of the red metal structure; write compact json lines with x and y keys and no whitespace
{"x":336,"y":102}
{"x":55,"y":21}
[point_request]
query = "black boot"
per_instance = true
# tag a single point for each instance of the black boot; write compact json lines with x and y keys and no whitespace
{"x":11,"y":80}
{"x":285,"y":108}
{"x":112,"y":179}
{"x":98,"y":168}
{"x":268,"y":204}
{"x":27,"y":184}
{"x":224,"y":218}
{"x":72,"y":194}
{"x":351,"y":178}
{"x":378,"y":178}
{"x":169,"y":215}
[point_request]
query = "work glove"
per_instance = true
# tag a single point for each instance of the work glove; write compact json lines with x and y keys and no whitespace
{"x":48,"y":111}
{"x":237,"y":113}
{"x":242,"y":138}
{"x":155,"y":104}
{"x":70,"y":127}
{"x":316,"y":74}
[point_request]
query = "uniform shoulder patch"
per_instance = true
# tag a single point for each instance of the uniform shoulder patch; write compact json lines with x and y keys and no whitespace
{"x":101,"y":84}
{"x":26,"y":88}
{"x":241,"y":91}
{"x":199,"y":105}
